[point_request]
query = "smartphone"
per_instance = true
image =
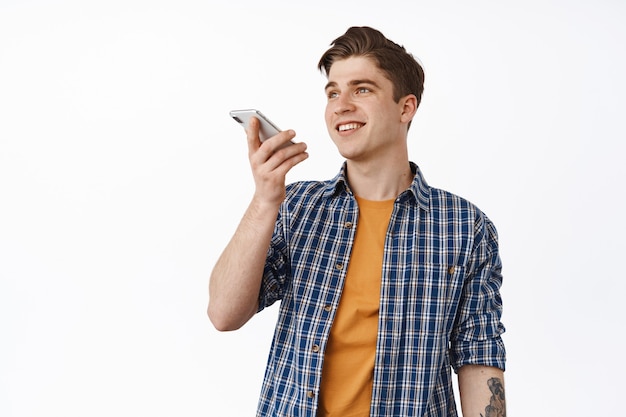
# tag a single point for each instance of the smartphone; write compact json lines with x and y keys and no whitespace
{"x":267,"y":129}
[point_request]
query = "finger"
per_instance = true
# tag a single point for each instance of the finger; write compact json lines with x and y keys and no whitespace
{"x":288,"y":163}
{"x":270,"y":151}
{"x":286,"y":158}
{"x":275,"y":159}
{"x":279,"y":141}
{"x":252,"y":135}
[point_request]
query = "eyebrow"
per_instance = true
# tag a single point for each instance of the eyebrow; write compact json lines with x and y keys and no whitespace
{"x":352,"y":83}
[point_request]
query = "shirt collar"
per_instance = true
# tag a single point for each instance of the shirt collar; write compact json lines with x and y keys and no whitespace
{"x":418,"y":191}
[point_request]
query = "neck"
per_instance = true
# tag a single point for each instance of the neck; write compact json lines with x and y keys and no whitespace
{"x":376,"y":182}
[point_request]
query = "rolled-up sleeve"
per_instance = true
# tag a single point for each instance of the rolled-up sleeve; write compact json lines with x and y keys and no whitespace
{"x":276,"y":268}
{"x":476,"y":337}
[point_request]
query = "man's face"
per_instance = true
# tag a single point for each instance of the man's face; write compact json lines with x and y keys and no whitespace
{"x":363,"y":120}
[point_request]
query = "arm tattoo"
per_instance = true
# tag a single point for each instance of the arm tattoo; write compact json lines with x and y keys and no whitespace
{"x":497,"y":404}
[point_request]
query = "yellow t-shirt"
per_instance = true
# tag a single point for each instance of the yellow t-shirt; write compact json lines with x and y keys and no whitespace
{"x":346,"y":388}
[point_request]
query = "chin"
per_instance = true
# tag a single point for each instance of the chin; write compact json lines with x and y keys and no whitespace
{"x":348,"y":153}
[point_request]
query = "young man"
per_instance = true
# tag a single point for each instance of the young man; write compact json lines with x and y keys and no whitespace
{"x":385,"y":282}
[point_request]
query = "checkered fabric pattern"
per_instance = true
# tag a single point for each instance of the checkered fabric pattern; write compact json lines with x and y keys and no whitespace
{"x":440,"y":303}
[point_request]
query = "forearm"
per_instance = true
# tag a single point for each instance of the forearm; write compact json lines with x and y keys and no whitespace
{"x":482,"y":391}
{"x":236,"y":278}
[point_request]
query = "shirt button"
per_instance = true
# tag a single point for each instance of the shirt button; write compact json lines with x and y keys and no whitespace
{"x":328,"y":308}
{"x":310,"y":394}
{"x":339,"y":266}
{"x":348,"y":225}
{"x":315,"y":348}
{"x":451,"y":270}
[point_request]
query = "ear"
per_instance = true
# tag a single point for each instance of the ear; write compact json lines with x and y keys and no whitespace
{"x":409,"y":107}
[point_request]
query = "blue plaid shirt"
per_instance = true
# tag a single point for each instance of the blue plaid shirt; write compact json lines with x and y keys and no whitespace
{"x":440,"y":303}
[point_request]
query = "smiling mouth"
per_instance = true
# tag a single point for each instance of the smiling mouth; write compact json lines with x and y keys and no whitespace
{"x":349,"y":126}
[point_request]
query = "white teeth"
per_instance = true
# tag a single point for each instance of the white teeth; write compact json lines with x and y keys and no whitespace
{"x":349,"y":126}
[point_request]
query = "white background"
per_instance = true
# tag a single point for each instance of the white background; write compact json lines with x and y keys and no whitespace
{"x":122,"y":178}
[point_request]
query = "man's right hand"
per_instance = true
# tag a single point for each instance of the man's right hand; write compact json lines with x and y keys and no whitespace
{"x":270,"y":161}
{"x":236,"y":278}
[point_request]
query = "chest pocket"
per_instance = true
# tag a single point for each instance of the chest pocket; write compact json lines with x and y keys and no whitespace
{"x":433,"y":292}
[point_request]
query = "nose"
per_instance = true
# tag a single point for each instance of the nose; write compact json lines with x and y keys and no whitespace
{"x":343,"y":104}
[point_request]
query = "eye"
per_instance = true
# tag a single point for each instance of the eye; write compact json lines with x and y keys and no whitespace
{"x":362,"y":90}
{"x":331,"y":94}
